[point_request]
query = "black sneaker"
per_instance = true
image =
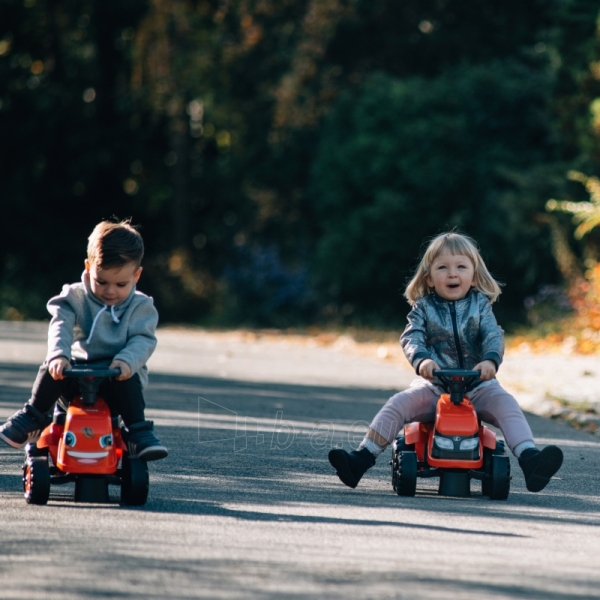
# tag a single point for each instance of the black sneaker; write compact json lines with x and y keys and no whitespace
{"x":351,"y":466}
{"x":539,"y":466}
{"x":142,"y":442}
{"x":23,"y":427}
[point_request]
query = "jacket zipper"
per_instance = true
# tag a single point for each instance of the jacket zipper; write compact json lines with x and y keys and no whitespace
{"x":461,"y":361}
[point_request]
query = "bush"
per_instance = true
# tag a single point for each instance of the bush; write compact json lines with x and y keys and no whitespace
{"x":403,"y":160}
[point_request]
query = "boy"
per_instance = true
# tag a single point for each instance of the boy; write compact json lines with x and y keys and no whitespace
{"x":104,"y":320}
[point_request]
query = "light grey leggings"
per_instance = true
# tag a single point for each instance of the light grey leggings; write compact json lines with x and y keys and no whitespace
{"x":493,"y":404}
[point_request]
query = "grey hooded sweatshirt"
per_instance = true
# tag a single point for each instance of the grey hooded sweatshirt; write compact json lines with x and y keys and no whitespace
{"x":83,"y":328}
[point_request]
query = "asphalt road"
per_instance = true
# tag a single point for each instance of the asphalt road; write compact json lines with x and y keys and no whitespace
{"x":247,"y":506}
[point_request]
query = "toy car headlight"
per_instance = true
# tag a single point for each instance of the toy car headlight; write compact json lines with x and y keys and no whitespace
{"x":70,"y":439}
{"x":469,"y":444}
{"x":443,"y":443}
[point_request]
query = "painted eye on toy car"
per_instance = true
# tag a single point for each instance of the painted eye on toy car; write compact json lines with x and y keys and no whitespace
{"x":70,"y":439}
{"x":106,"y":440}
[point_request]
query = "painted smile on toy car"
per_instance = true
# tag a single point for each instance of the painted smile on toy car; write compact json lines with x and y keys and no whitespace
{"x":87,"y":458}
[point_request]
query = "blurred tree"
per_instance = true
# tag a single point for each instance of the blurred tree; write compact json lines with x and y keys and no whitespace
{"x":205,"y":69}
{"x":401,"y":160}
{"x":423,"y":162}
{"x":343,"y":42}
{"x":577,"y":104}
{"x":586,"y":215}
{"x":574,"y":45}
{"x":211,"y":122}
{"x":65,"y":107}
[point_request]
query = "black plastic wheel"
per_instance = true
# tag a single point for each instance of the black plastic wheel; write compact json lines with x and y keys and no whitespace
{"x":487,"y":465}
{"x":135,"y":482}
{"x":500,"y":481}
{"x":399,"y":445}
{"x":36,"y":480}
{"x":33,"y":450}
{"x":406,"y":478}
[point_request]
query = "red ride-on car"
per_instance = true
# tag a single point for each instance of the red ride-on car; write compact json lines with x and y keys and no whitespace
{"x":84,"y":445}
{"x":456,"y":447}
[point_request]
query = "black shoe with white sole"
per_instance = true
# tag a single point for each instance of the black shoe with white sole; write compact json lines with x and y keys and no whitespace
{"x":142,"y":442}
{"x":24,"y":427}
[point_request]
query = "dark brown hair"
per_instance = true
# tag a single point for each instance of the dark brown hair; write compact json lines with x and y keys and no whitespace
{"x":114,"y":245}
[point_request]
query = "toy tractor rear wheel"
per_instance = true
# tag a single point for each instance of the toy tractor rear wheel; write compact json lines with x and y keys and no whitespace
{"x":487,"y":465}
{"x":135,"y":482}
{"x":399,"y":445}
{"x":500,"y":480}
{"x":406,"y":474}
{"x":36,"y":480}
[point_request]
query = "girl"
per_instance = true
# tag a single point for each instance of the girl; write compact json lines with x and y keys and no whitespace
{"x":451,"y":325}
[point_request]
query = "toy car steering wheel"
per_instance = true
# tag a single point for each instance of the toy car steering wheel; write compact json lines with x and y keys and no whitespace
{"x":457,"y":382}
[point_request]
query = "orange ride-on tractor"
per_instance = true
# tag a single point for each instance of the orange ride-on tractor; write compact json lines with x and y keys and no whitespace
{"x":456,"y":447}
{"x":83,"y":445}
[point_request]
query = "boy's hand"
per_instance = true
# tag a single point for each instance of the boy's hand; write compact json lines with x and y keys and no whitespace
{"x":427,"y":367}
{"x":125,"y":370}
{"x":57,"y":366}
{"x":487,"y":368}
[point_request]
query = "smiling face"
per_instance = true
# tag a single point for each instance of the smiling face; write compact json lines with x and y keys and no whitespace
{"x":451,"y":275}
{"x":114,"y":284}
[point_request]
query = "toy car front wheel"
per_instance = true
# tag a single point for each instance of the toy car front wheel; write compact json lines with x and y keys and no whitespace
{"x":135,"y":482}
{"x":33,"y":450}
{"x":398,"y":446}
{"x":406,"y":474}
{"x":500,"y":480}
{"x":488,"y":455}
{"x":36,"y":480}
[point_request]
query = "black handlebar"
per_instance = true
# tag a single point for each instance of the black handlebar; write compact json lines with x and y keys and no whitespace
{"x":85,"y":372}
{"x":457,"y":382}
{"x":90,"y":380}
{"x":456,"y":373}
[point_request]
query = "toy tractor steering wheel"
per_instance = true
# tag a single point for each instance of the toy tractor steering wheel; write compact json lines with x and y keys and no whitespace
{"x":85,"y":371}
{"x":90,"y":380}
{"x":457,"y":382}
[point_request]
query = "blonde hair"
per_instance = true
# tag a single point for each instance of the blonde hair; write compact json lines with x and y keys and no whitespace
{"x":452,"y":243}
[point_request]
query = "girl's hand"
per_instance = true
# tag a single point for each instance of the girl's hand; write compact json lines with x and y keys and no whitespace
{"x":427,"y":367}
{"x":487,"y":368}
{"x":57,"y":366}
{"x":125,"y":369}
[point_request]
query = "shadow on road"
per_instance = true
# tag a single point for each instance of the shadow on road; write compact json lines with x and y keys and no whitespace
{"x":258,"y":451}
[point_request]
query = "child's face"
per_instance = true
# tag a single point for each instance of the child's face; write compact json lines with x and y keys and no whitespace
{"x":112,"y":285}
{"x":451,"y":276}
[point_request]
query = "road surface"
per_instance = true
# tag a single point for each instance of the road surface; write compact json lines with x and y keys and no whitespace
{"x":247,"y":506}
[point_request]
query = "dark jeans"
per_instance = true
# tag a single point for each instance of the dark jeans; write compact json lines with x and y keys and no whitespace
{"x":123,"y":398}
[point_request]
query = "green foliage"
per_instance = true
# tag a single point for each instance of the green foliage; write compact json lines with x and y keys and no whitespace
{"x":401,"y":160}
{"x":577,"y":44}
{"x":586,"y":215}
{"x":66,"y":111}
{"x":286,"y":158}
